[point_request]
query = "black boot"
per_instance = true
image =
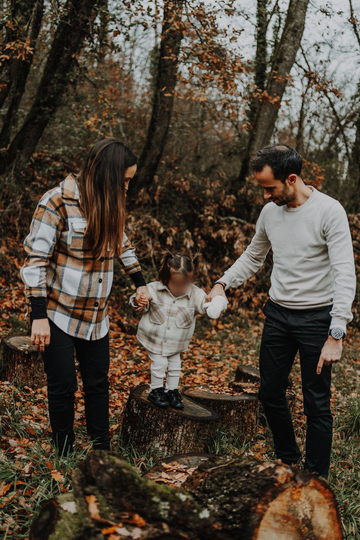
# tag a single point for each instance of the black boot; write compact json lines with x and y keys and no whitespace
{"x":175,"y":399}
{"x":158,"y":397}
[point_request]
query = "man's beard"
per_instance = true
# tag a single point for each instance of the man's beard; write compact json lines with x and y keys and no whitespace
{"x":284,"y":199}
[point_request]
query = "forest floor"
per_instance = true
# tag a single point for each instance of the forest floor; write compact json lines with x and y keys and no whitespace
{"x":30,"y":472}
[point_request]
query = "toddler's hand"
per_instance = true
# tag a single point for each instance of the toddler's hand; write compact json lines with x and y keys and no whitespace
{"x":217,"y":305}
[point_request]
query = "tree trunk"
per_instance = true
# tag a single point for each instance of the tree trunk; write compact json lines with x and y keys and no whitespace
{"x":249,"y":374}
{"x":163,"y":97}
{"x":238,"y":413}
{"x":19,"y":71}
{"x":21,"y":362}
{"x":277,"y":80}
{"x":171,"y":430}
{"x":110,"y":498}
{"x":16,"y":35}
{"x":69,"y":37}
{"x":265,"y":500}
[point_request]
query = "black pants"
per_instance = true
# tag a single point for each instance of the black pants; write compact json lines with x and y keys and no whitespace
{"x":287,"y":331}
{"x":59,"y":364}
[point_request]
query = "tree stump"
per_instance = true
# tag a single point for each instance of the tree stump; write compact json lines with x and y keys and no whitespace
{"x":238,"y":413}
{"x":168,"y":430}
{"x":175,"y":470}
{"x":21,"y":362}
{"x":255,"y":500}
{"x":249,"y":374}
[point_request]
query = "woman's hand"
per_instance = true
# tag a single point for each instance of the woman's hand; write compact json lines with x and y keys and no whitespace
{"x":40,"y":333}
{"x":142,"y":297}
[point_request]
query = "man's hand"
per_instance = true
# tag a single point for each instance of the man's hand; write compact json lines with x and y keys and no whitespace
{"x":217,"y":290}
{"x":40,"y":333}
{"x":142,"y":297}
{"x":330,"y":353}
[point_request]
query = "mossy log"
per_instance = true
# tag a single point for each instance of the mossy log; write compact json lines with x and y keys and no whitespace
{"x":21,"y":363}
{"x":265,"y":500}
{"x":225,"y":498}
{"x":238,"y":413}
{"x":169,"y":430}
{"x":110,"y":497}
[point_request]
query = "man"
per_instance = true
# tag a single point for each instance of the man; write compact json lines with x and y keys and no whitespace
{"x":312,"y":290}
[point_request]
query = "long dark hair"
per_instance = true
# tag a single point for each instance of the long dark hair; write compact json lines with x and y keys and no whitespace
{"x":178,"y":262}
{"x":102,"y":192}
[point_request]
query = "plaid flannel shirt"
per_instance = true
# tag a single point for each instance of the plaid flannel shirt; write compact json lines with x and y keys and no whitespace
{"x":59,"y":264}
{"x":168,"y":322}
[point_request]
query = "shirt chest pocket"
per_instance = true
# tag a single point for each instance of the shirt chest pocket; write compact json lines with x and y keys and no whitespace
{"x":157,"y":313}
{"x":77,"y":236}
{"x":185,"y":317}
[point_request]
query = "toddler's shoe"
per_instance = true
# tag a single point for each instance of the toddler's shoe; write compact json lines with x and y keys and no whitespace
{"x":158,"y":397}
{"x":175,"y":399}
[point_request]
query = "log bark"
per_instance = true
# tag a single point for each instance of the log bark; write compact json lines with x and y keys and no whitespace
{"x":21,"y":362}
{"x":238,"y":413}
{"x":110,"y":497}
{"x":168,"y":430}
{"x":266,"y":500}
{"x":175,"y":470}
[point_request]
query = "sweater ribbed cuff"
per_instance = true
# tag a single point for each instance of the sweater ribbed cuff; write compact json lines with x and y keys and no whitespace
{"x":138,"y":279}
{"x":38,"y":307}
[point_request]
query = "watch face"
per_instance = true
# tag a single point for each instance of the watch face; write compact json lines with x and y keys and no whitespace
{"x":337,"y":333}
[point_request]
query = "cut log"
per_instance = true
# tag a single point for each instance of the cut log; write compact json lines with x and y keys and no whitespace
{"x":168,"y":430}
{"x":265,"y":500}
{"x":238,"y":413}
{"x":21,"y":363}
{"x":175,"y":470}
{"x":111,"y":500}
{"x":225,"y":498}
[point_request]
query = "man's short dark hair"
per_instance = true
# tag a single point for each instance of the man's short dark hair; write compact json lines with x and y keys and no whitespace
{"x":282,"y":158}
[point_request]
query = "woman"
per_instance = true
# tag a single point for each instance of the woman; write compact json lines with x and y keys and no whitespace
{"x":76,"y":231}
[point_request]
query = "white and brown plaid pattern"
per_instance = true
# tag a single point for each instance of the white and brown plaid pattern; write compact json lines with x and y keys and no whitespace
{"x":168,"y":322}
{"x":59,"y":264}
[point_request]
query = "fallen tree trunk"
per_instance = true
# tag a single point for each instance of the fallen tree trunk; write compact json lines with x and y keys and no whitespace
{"x":225,"y":498}
{"x":238,"y":413}
{"x":21,"y":363}
{"x":111,"y":500}
{"x":266,"y":500}
{"x":169,"y":430}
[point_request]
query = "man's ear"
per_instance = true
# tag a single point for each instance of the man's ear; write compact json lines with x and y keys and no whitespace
{"x":292,"y":179}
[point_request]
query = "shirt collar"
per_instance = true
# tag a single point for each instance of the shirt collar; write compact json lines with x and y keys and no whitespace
{"x":162,"y":287}
{"x":70,"y":188}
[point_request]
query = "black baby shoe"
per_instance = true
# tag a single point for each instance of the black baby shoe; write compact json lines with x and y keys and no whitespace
{"x":158,"y":397}
{"x":175,"y":399}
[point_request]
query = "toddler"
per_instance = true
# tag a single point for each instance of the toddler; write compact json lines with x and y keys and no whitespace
{"x":168,"y":322}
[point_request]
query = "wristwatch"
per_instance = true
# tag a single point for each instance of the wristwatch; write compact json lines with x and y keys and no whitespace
{"x":337,"y":333}
{"x":222,"y":284}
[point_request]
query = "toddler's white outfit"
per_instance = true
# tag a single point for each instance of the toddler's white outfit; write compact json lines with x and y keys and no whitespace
{"x":166,"y":327}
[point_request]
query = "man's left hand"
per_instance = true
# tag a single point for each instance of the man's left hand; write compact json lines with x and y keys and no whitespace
{"x":142,"y":297}
{"x":330,"y":353}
